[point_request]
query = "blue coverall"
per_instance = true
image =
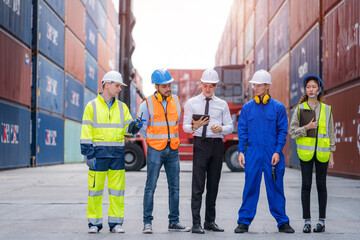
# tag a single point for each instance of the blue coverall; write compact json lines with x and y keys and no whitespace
{"x":263,"y":129}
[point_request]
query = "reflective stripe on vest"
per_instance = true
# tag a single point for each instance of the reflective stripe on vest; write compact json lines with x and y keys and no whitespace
{"x":163,"y":126}
{"x":306,"y":145}
{"x":108,"y":125}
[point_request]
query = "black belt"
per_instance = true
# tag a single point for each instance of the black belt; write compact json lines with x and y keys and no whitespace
{"x":208,"y":139}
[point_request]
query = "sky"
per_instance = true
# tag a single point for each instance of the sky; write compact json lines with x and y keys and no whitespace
{"x":177,"y":34}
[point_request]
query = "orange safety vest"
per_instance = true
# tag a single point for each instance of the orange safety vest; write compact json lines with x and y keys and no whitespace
{"x":162,"y":126}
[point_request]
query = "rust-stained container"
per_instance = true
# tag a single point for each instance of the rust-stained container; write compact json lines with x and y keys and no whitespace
{"x":75,"y":18}
{"x":106,"y":58}
{"x":341,"y":44}
{"x":345,"y":109}
{"x":112,"y":16}
{"x":261,"y":18}
{"x":241,"y":19}
{"x":101,"y":73}
{"x":328,"y":4}
{"x":303,"y":15}
{"x":249,"y":35}
{"x":280,"y":75}
{"x":261,"y":52}
{"x":240,"y":49}
{"x":111,"y":37}
{"x":74,"y":56}
{"x":15,"y":70}
{"x":249,"y":9}
{"x":248,"y":73}
{"x":274,"y":6}
{"x":279,"y":34}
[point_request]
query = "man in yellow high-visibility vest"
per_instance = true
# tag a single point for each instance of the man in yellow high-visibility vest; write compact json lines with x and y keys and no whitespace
{"x":105,"y":122}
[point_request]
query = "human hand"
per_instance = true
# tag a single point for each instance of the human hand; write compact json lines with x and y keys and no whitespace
{"x":331,"y":160}
{"x":216,"y":129}
{"x":275,"y":159}
{"x":241,"y":159}
{"x":140,"y":122}
{"x":201,"y":122}
{"x":91,"y":162}
{"x":311,"y":125}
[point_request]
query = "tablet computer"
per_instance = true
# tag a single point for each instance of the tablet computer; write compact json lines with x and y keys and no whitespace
{"x":196,"y":117}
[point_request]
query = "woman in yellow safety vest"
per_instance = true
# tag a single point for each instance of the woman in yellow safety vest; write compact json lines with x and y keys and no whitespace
{"x":313,"y":148}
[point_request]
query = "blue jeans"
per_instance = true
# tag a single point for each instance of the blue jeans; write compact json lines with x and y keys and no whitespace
{"x":155,"y":159}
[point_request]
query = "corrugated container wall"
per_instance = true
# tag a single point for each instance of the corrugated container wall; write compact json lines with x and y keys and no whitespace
{"x":15,"y":136}
{"x":240,"y":49}
{"x":15,"y":16}
{"x":303,"y":15}
{"x":49,"y":136}
{"x":261,"y":18}
{"x":328,"y":4}
{"x":111,"y":14}
{"x":341,"y":44}
{"x":249,"y":9}
{"x":88,"y":96}
{"x":249,"y":35}
{"x":75,"y":56}
{"x":241,"y":19}
{"x":92,"y":10}
{"x":111,"y":37}
{"x":58,"y":6}
{"x":274,"y":6}
{"x":75,"y":18}
{"x":261,"y":53}
{"x":279,"y":34}
{"x":248,"y":72}
{"x":280,"y":75}
{"x":72,"y":132}
{"x":102,"y":21}
{"x":101,"y":73}
{"x":50,"y":34}
{"x":74,"y":98}
{"x":345,"y":108}
{"x":50,"y":86}
{"x":91,"y":43}
{"x":91,"y":72}
{"x":15,"y":70}
{"x":304,"y":60}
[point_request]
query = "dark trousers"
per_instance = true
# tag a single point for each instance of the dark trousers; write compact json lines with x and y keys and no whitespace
{"x":306,"y":174}
{"x":207,"y":163}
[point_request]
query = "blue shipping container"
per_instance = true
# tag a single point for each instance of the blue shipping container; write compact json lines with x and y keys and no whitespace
{"x":88,"y":96}
{"x":91,"y":72}
{"x":15,"y":16}
{"x":50,"y":86}
{"x":74,"y":98}
{"x":92,"y":9}
{"x":133,"y":104}
{"x":49,"y":139}
{"x":279,"y":35}
{"x":58,"y":6}
{"x":104,"y":4}
{"x":91,"y":42}
{"x":15,"y":136}
{"x":72,"y":150}
{"x":51,"y":34}
{"x":261,"y":53}
{"x":304,"y":60}
{"x":102,"y":22}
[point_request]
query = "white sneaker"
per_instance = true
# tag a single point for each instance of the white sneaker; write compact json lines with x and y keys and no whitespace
{"x":118,"y":229}
{"x":93,"y":229}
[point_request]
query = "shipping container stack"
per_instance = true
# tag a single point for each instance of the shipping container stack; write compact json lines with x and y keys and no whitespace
{"x":292,"y":39}
{"x":15,"y":82}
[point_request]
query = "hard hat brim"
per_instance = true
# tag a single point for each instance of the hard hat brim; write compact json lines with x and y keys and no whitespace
{"x":207,"y":81}
{"x":122,"y":84}
{"x":170,"y":81}
{"x":256,"y":82}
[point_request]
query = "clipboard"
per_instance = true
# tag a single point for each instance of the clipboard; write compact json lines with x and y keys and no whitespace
{"x":196,"y":117}
{"x":305,"y":117}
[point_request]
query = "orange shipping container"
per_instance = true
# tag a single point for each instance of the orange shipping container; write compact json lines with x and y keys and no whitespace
{"x":106,"y":58}
{"x":74,"y":56}
{"x":248,"y":73}
{"x":112,"y":16}
{"x":101,"y":73}
{"x":280,"y":75}
{"x":111,"y":37}
{"x":75,"y":18}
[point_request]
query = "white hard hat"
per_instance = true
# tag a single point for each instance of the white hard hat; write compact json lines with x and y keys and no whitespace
{"x":210,"y":76}
{"x":113,"y":76}
{"x":261,"y":76}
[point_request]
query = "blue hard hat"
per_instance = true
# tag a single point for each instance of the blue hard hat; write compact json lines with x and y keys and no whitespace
{"x":314,"y":77}
{"x":161,"y":76}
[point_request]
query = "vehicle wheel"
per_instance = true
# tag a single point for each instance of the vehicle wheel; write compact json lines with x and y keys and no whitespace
{"x":134,"y":157}
{"x":231,"y":159}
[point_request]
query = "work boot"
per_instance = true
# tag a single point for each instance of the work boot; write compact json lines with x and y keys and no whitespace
{"x":117,"y":229}
{"x":93,"y":229}
{"x":286,"y":228}
{"x":147,"y":228}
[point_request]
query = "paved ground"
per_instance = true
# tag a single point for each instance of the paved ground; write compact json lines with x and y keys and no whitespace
{"x":50,"y":203}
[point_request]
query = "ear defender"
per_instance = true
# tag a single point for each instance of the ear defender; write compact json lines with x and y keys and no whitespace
{"x":265,"y":99}
{"x":160,"y":98}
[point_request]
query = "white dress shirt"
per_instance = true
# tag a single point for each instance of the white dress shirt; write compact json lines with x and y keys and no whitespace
{"x":218,"y":111}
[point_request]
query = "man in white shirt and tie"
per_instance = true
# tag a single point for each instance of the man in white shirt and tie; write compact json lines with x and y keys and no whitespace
{"x":208,"y":148}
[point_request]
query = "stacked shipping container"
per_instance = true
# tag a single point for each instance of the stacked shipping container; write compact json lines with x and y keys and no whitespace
{"x":292,"y":39}
{"x":64,"y":43}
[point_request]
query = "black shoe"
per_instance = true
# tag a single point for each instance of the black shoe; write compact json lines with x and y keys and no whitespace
{"x":286,"y":228}
{"x":319,"y":228}
{"x":197,"y":229}
{"x":307,"y":228}
{"x":212,"y":226}
{"x":241,"y":228}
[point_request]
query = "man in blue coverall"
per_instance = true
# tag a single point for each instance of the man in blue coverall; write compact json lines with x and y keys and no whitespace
{"x":262,"y":128}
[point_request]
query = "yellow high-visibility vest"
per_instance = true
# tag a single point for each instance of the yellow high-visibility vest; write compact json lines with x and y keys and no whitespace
{"x":306,"y":145}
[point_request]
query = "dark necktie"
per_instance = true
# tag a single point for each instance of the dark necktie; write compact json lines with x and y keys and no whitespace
{"x":206,"y":113}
